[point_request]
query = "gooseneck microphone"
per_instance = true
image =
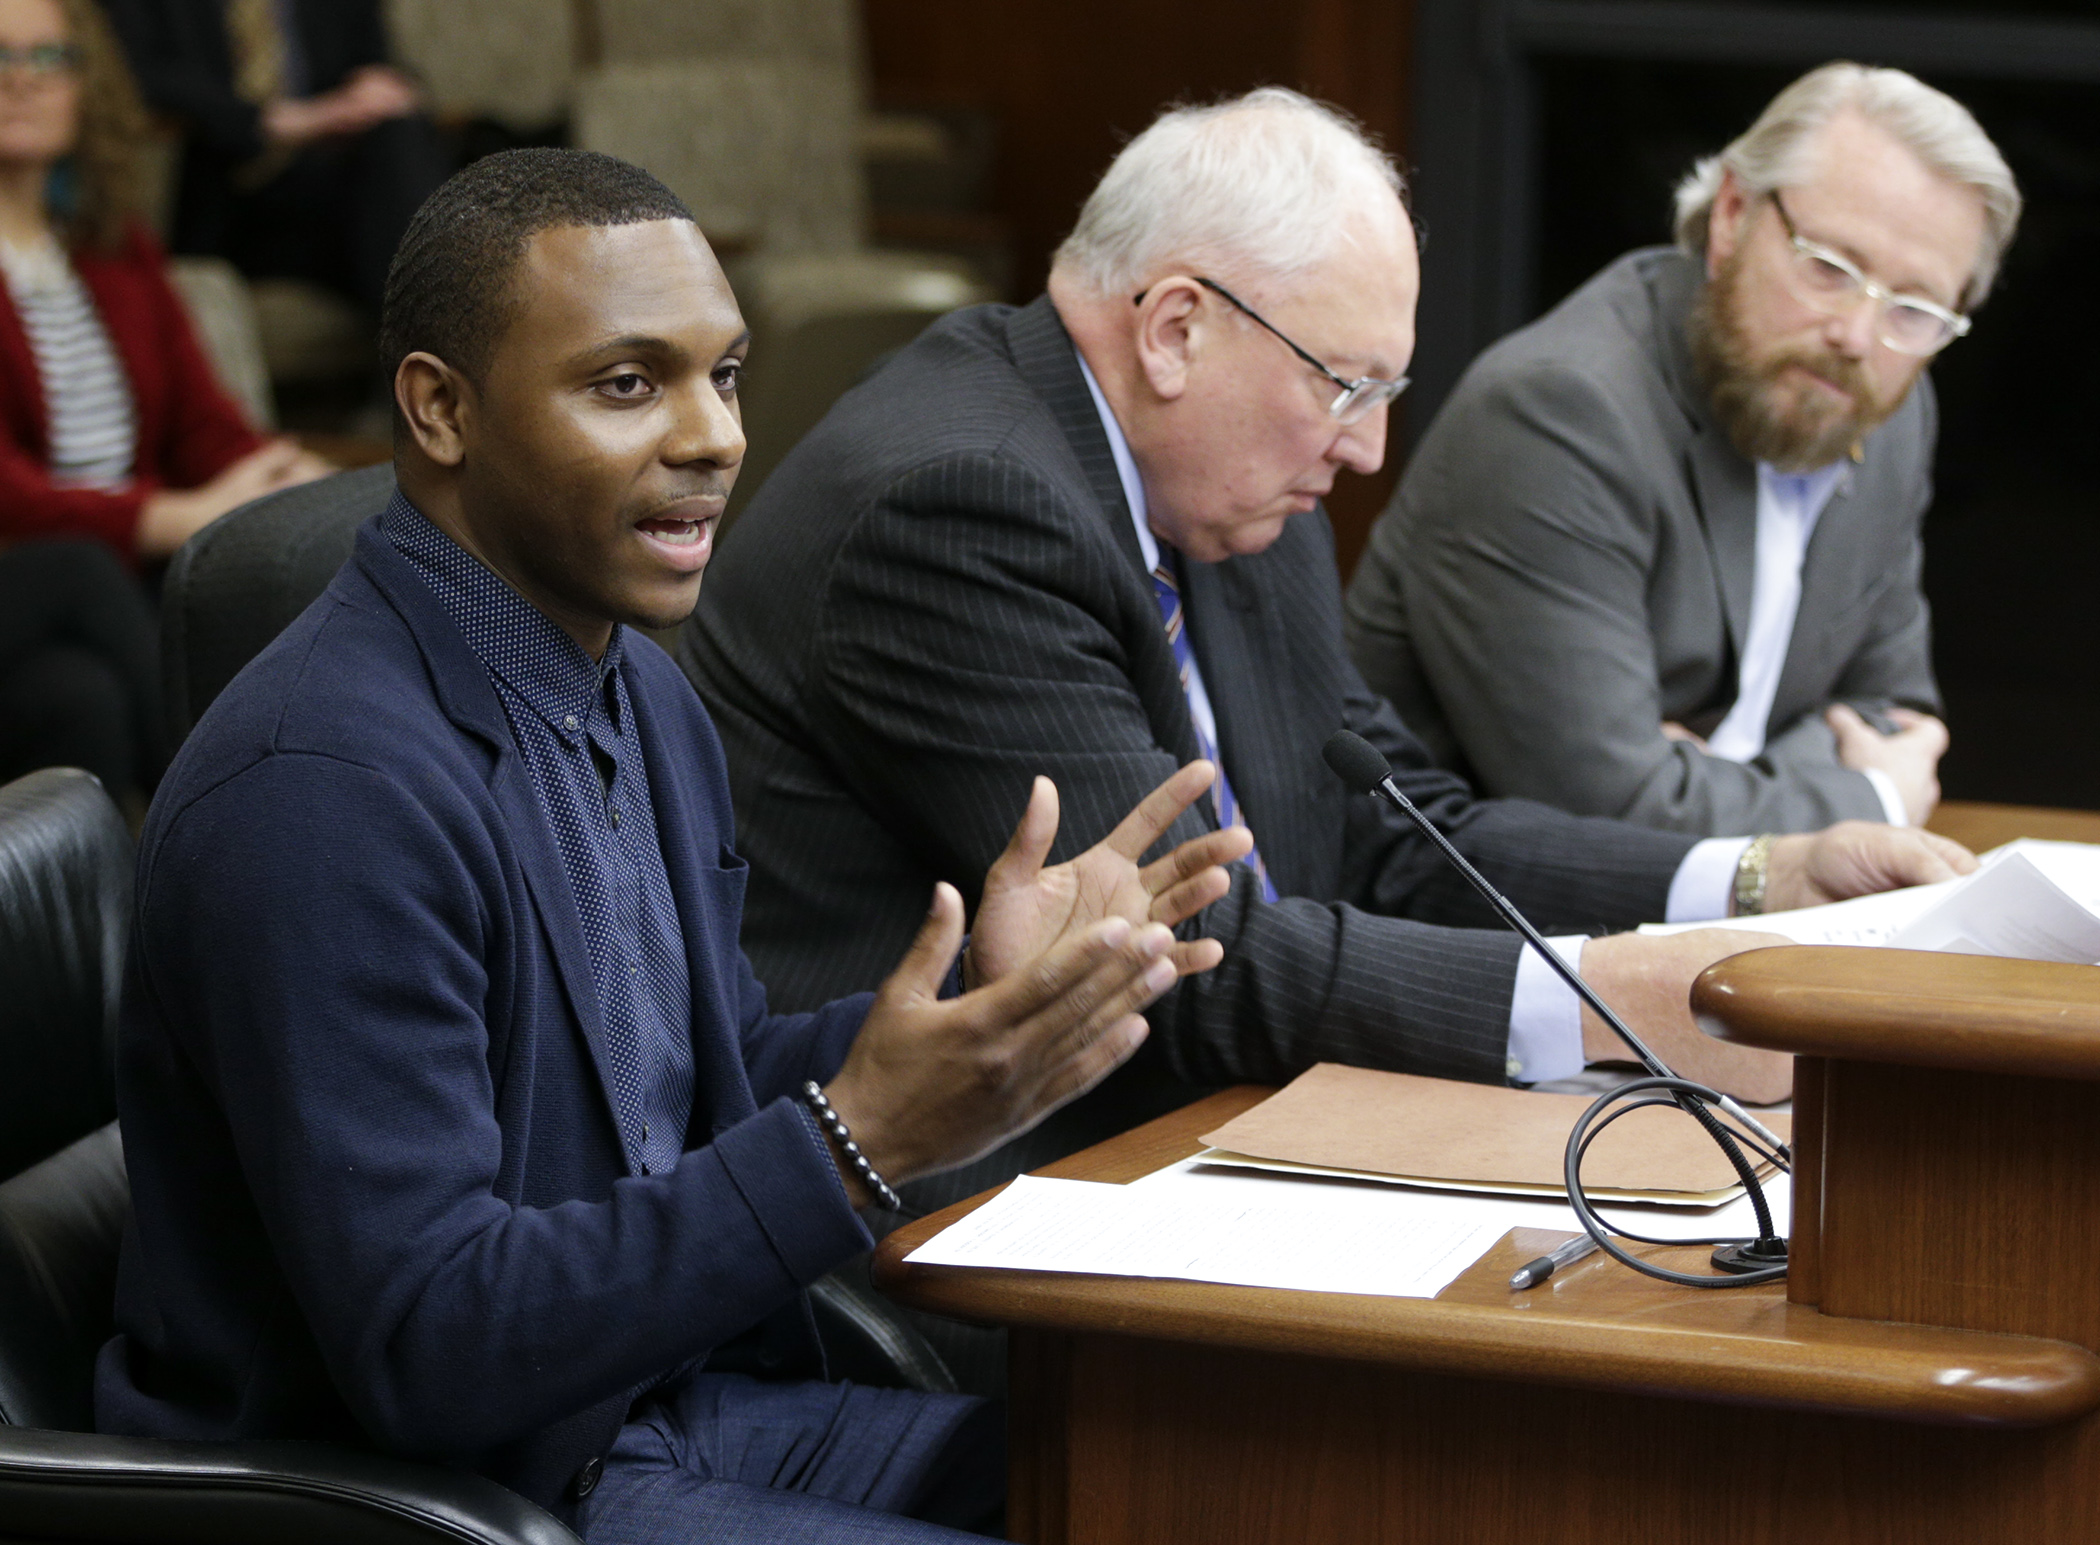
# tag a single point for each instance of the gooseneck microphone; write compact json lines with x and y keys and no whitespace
{"x":1360,"y":765}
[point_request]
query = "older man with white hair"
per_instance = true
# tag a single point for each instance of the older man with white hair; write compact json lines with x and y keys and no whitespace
{"x":1084,"y":538}
{"x":1658,"y":555}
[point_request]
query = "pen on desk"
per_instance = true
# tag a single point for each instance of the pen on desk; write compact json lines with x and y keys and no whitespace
{"x":1532,"y":1273}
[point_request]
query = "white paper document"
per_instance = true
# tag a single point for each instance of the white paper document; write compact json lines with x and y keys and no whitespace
{"x":1251,"y":1240}
{"x":2011,"y":909}
{"x":1262,"y":1229}
{"x":2030,"y":900}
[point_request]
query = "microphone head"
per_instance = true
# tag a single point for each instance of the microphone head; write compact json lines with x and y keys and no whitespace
{"x":1356,"y":761}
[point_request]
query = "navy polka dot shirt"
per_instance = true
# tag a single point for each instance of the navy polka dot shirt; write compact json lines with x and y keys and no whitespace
{"x":575,"y":728}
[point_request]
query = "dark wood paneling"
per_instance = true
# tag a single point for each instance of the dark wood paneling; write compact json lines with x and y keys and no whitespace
{"x":1069,"y":81}
{"x":1804,"y":1256}
{"x":1962,"y":1199}
{"x":1172,"y":1445}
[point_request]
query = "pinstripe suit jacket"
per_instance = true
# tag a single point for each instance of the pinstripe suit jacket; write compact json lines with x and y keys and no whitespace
{"x":939,"y":594}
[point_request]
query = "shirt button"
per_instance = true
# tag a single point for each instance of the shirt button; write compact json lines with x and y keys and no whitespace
{"x":645,"y":1131}
{"x":616,"y":817}
{"x":568,"y":722}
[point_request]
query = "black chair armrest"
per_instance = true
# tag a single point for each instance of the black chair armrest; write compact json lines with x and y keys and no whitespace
{"x":868,"y":1339}
{"x":143,"y":1491}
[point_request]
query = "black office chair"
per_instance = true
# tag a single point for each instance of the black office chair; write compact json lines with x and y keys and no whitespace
{"x":65,"y":887}
{"x":65,"y":902}
{"x":235,"y":586}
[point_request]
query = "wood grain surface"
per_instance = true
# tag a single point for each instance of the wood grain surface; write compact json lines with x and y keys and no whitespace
{"x":1962,"y":1199}
{"x":1973,"y":1013}
{"x":1980,"y":826}
{"x":1169,"y":1444}
{"x":1597,"y":1325}
{"x":1607,"y":1409}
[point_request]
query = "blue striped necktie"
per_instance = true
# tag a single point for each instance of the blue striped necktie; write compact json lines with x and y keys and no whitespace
{"x":1168,"y":593}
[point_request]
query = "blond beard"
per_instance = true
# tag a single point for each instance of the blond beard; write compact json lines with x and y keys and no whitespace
{"x":1762,"y":418}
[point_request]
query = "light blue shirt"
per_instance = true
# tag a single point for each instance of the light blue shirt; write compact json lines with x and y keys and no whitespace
{"x":1545,"y":1016}
{"x":1788,"y":506}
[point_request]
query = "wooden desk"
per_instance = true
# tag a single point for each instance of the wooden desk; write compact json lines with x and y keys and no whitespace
{"x":1608,"y":1408}
{"x":1602,"y":1407}
{"x":1979,"y":826}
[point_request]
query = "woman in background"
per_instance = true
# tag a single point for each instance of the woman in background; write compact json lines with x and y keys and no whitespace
{"x":116,"y":441}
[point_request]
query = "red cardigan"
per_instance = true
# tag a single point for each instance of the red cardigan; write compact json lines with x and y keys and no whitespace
{"x":188,"y":429}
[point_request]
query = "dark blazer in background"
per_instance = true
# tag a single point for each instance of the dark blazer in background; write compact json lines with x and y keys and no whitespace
{"x":938,"y":595}
{"x":336,"y":212}
{"x":183,"y":58}
{"x":378,"y":1195}
{"x":1568,"y":562}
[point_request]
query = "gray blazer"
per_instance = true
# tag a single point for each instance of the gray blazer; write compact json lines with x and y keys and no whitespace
{"x":939,"y":595}
{"x":1567,"y":562}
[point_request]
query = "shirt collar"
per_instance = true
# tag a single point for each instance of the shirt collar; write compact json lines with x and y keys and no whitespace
{"x":514,"y":640}
{"x":1126,"y":467}
{"x":1806,"y":492}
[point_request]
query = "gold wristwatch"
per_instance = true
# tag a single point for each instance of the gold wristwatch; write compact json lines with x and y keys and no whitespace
{"x":1750,"y":873}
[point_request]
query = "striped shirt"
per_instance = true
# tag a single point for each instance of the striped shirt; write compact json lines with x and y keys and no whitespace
{"x":87,"y":398}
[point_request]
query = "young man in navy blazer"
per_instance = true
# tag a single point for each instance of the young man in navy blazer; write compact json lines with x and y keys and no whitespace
{"x":456,"y":1122}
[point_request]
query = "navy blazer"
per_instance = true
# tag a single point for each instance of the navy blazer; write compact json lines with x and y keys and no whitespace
{"x":378,"y":1193}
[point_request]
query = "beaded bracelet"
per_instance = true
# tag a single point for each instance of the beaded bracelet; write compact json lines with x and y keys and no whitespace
{"x":828,"y":1119}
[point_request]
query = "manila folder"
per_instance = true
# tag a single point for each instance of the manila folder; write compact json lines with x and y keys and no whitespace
{"x":1448,"y":1133}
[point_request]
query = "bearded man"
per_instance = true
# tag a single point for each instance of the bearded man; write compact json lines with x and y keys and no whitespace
{"x":1658,"y":555}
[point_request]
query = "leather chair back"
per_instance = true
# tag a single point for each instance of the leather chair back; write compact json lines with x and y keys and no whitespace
{"x":65,"y":906}
{"x":240,"y":581}
{"x":61,"y":1222}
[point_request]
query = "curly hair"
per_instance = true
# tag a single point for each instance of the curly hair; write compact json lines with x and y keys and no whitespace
{"x":108,"y":161}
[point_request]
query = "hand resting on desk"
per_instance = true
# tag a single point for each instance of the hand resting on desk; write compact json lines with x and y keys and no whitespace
{"x":1648,"y":978}
{"x":1858,"y":858}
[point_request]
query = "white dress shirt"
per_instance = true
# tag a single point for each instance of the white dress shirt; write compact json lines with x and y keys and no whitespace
{"x":1788,"y":506}
{"x":1545,"y":1016}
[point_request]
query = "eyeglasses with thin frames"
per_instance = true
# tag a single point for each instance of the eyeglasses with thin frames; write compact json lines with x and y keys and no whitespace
{"x":1832,"y":283}
{"x":1356,"y":399}
{"x":40,"y":61}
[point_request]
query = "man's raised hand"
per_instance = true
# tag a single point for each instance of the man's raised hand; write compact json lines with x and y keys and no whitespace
{"x":929,"y":1085}
{"x":1026,"y":907}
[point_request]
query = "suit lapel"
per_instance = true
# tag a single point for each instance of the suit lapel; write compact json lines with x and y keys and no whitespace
{"x":1046,"y":358}
{"x":1830,"y":581}
{"x":1725,"y":488}
{"x":1724,"y":483}
{"x":1043,"y":353}
{"x":469,"y":700}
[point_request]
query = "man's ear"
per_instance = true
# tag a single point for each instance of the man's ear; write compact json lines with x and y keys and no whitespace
{"x":437,"y":404}
{"x":1170,"y":332}
{"x":1725,"y":223}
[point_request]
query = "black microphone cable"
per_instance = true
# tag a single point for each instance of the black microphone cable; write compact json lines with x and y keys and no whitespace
{"x":1744,"y":1263}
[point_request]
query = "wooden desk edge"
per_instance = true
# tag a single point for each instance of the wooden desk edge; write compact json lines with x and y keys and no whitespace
{"x":1983,"y":826}
{"x":1972,"y":1013}
{"x":1770,"y":1353}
